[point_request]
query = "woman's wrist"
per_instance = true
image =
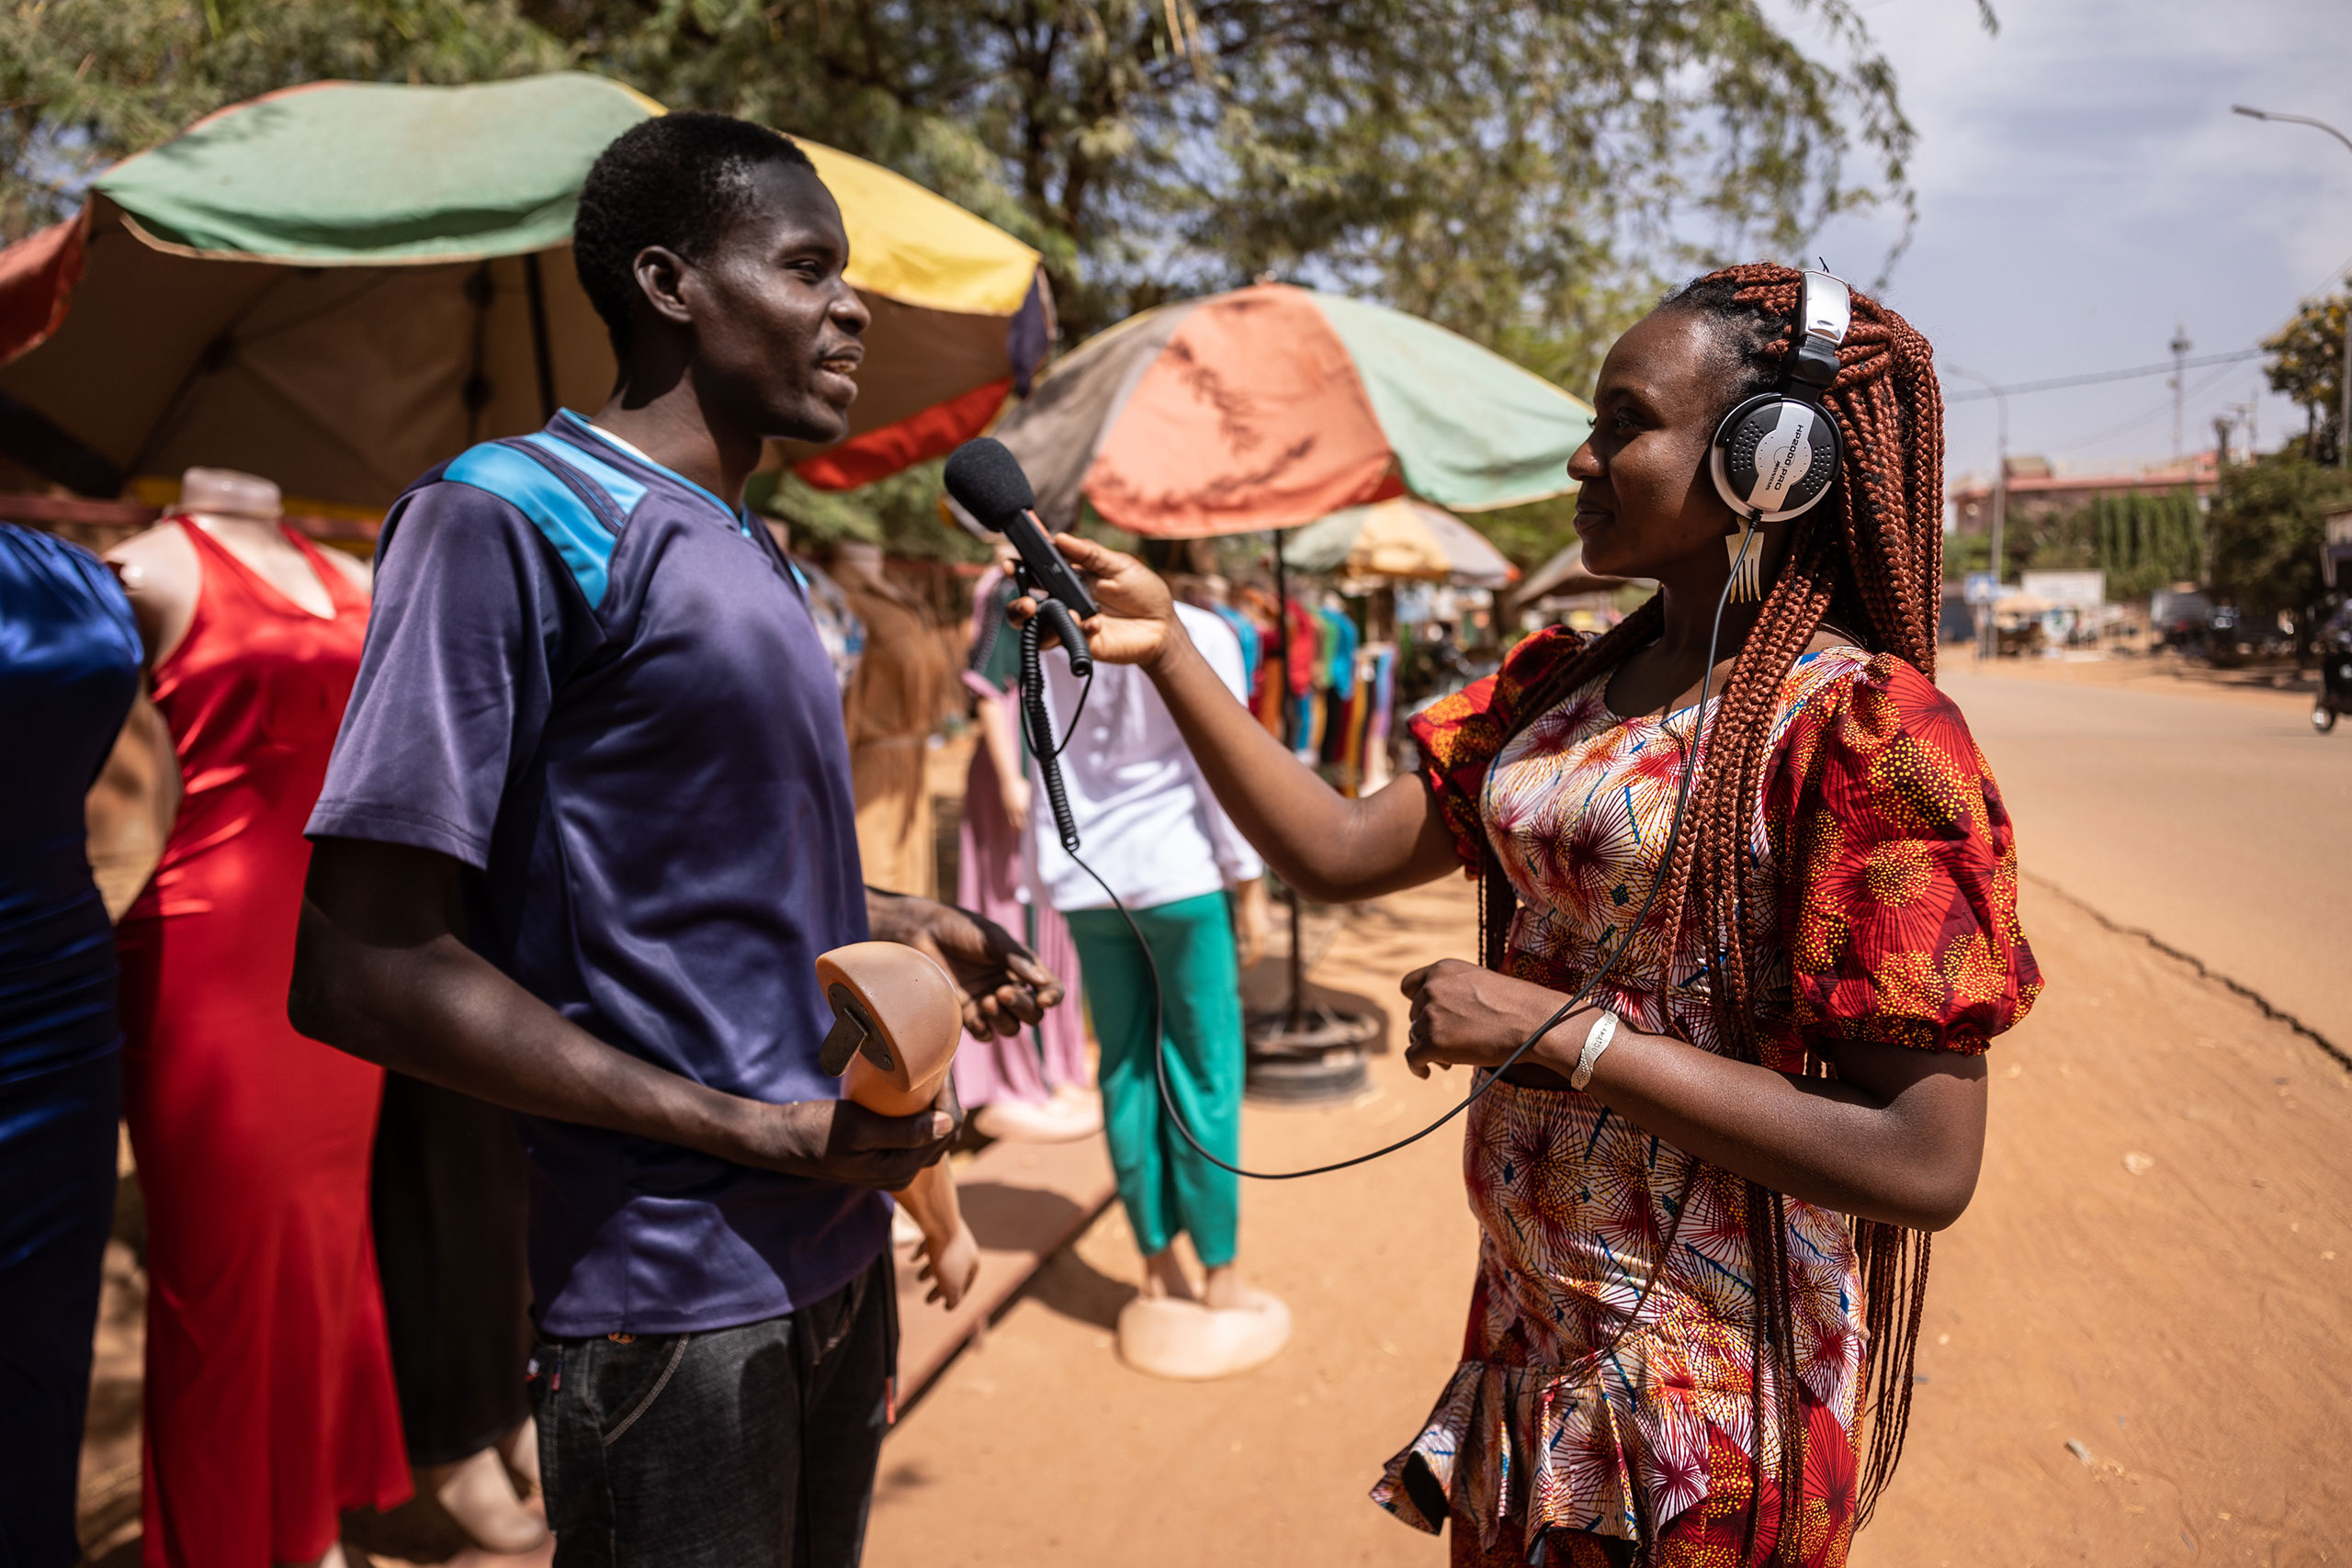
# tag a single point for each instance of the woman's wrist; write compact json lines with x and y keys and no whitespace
{"x":1175,"y":647}
{"x":1562,"y":1044}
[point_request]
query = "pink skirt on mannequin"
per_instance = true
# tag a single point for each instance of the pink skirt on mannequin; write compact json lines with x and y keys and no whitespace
{"x":994,"y":878}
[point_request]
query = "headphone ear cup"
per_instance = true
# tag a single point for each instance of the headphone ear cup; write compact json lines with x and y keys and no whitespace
{"x":1774,"y":458}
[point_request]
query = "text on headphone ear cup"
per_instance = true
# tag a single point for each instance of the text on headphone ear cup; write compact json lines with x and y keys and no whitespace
{"x":1774,"y":458}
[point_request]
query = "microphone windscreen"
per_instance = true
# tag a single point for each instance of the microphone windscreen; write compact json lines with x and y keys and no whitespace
{"x":985,"y":479}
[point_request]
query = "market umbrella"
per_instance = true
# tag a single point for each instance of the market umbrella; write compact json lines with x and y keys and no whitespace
{"x":1271,"y":407}
{"x":1274,"y":405}
{"x":341,"y":283}
{"x":1400,"y":537}
{"x":1564,"y":574}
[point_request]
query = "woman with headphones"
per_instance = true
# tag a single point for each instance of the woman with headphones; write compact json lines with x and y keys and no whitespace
{"x":1746,"y":822}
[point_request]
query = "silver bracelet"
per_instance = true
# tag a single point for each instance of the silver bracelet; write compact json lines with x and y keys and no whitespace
{"x":1604,"y":1030}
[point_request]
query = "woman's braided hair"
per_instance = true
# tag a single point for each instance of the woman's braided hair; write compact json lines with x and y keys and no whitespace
{"x":1867,"y":560}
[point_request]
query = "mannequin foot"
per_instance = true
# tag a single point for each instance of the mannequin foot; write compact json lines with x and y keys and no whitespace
{"x":1226,"y":1291}
{"x":476,"y":1494}
{"x":1164,"y":1278}
{"x":1197,"y":1340}
{"x":1055,"y":1121}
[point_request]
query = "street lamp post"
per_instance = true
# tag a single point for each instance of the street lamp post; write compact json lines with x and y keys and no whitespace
{"x":2000,"y":485}
{"x":2344,"y":419}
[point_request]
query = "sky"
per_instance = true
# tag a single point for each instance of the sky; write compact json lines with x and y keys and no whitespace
{"x":2084,"y":189}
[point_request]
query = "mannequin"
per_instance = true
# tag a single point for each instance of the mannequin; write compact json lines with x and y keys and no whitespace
{"x":896,"y":1021}
{"x":269,"y":1401}
{"x":896,"y":697}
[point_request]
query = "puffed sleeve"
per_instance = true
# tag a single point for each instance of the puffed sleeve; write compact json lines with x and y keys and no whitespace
{"x":1459,"y":736}
{"x":1900,"y":901}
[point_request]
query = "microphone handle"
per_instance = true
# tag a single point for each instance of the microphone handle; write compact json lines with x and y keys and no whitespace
{"x":1045,"y":565}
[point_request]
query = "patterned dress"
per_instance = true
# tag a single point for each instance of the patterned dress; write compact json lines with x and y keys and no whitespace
{"x":1882,"y":893}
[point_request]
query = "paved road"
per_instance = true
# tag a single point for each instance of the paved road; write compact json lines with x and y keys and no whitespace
{"x":2220,"y":824}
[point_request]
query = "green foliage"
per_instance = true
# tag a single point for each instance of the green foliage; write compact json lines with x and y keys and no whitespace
{"x":1964,"y":553}
{"x":2267,"y":526}
{"x":2141,"y":542}
{"x":2307,"y":365}
{"x":1528,"y":174}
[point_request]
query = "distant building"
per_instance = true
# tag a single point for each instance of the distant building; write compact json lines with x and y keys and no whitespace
{"x":2036,"y":491}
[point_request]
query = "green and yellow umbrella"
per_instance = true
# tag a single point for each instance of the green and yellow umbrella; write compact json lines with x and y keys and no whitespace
{"x":341,"y":283}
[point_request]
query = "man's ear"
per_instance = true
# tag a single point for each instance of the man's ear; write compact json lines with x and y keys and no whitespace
{"x":660,"y":277}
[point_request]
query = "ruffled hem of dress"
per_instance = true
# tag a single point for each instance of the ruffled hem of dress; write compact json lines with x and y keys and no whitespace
{"x":1546,"y":1446}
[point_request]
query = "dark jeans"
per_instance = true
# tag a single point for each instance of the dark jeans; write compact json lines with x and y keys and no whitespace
{"x":736,"y":1448}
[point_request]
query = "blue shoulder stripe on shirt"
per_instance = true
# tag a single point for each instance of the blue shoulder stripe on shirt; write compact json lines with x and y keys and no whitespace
{"x":624,"y":492}
{"x":569,"y":524}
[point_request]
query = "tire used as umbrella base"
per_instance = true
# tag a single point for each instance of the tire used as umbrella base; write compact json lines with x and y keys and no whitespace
{"x":1323,"y":1059}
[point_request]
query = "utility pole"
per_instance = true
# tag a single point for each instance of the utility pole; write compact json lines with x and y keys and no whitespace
{"x":2180,"y":348}
{"x":2000,"y":487}
{"x":2344,"y":383}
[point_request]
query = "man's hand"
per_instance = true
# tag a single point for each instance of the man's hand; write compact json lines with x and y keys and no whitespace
{"x":1005,"y":987}
{"x":840,"y":1140}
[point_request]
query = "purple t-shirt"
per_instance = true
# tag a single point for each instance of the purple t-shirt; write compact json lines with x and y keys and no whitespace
{"x":595,"y":685}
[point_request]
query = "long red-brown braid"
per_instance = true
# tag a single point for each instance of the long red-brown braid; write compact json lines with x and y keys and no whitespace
{"x":1869,"y":560}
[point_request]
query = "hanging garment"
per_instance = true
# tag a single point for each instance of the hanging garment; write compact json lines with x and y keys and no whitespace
{"x":894,"y":700}
{"x":69,"y":666}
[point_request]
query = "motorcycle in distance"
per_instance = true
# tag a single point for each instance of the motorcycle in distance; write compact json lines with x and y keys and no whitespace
{"x":2335,"y":669}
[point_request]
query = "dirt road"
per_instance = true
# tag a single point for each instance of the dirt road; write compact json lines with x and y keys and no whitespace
{"x":2219,"y":822}
{"x":2155,"y":1267}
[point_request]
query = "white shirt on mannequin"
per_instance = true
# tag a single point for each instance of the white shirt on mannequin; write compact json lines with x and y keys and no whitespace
{"x":1146,"y":822}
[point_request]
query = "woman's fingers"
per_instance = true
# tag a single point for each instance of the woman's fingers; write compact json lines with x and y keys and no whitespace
{"x":1412,"y":983}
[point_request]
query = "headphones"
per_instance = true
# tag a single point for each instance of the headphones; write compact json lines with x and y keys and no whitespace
{"x":1773,"y":456}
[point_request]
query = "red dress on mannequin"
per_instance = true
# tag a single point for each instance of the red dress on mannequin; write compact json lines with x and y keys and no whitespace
{"x":269,"y":1401}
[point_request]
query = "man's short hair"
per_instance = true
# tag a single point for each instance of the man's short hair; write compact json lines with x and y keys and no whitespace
{"x":676,"y":180}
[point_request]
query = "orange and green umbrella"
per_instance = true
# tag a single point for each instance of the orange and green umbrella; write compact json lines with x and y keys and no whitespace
{"x":1272,"y":406}
{"x":341,"y":283}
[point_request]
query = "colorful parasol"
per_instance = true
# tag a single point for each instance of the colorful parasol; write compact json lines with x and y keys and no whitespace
{"x":1274,"y":405}
{"x":340,"y":284}
{"x":1401,"y":537}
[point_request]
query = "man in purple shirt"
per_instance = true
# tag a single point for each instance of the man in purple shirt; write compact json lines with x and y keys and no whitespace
{"x":588,"y":825}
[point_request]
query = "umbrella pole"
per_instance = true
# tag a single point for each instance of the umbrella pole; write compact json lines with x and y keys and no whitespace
{"x":535,"y":295}
{"x":1296,"y":1020}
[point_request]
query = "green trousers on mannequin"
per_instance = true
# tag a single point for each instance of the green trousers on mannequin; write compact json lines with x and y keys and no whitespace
{"x":1168,"y":1188}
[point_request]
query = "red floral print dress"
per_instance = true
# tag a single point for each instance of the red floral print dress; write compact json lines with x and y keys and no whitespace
{"x":1882,"y":893}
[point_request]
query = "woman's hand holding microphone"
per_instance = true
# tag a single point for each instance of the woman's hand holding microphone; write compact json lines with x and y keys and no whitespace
{"x":1138,"y":624}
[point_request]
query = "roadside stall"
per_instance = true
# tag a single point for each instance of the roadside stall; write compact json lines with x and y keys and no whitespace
{"x":1369,"y":550}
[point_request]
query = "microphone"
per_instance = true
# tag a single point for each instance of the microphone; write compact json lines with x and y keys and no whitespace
{"x":985,"y":479}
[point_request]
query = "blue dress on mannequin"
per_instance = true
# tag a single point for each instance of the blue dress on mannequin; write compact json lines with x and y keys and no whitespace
{"x":69,"y":667}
